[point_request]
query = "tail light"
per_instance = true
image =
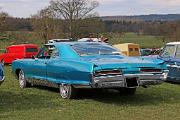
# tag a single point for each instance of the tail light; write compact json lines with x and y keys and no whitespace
{"x":151,"y":70}
{"x":107,"y":72}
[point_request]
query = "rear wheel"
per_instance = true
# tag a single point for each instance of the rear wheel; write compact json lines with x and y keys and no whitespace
{"x":67,"y":91}
{"x":127,"y":91}
{"x":22,"y":80}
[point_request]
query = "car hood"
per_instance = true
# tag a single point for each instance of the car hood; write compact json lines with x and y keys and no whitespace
{"x":116,"y":61}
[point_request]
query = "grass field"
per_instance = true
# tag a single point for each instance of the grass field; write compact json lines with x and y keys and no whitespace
{"x":145,"y":41}
{"x":154,"y":103}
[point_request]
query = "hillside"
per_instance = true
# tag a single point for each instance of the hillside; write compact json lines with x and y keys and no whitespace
{"x":152,"y":17}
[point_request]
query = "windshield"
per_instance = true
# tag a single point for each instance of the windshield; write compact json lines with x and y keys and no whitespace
{"x":168,"y":51}
{"x":87,"y":49}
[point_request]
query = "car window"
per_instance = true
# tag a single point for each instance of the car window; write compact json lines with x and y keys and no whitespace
{"x":178,"y":52}
{"x":169,"y":51}
{"x":45,"y":52}
{"x":31,"y":50}
{"x":130,"y":49}
{"x":136,"y":49}
{"x":87,"y":49}
{"x":55,"y":53}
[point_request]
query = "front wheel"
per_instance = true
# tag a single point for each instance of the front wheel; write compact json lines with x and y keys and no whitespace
{"x":22,"y":80}
{"x":67,"y":91}
{"x":2,"y":62}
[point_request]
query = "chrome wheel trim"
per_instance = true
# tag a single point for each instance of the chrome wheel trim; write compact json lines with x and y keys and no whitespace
{"x":22,"y":81}
{"x":64,"y":91}
{"x":2,"y":62}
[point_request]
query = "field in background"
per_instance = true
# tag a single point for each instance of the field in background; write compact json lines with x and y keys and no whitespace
{"x":13,"y":38}
{"x":145,"y":41}
{"x":154,"y":103}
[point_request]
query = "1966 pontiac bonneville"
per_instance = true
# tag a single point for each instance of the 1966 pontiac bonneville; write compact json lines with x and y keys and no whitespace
{"x":1,"y":74}
{"x":74,"y":65}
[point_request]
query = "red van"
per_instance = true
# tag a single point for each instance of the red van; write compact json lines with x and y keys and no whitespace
{"x":18,"y":52}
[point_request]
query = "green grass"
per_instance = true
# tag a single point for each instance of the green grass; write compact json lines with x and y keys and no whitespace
{"x":145,"y":41}
{"x":13,"y":38}
{"x":154,"y":103}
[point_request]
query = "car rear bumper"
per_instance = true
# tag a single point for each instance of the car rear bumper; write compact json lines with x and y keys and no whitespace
{"x":2,"y":80}
{"x":129,"y":80}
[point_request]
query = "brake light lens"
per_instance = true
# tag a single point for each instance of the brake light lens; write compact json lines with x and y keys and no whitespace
{"x":151,"y":70}
{"x":107,"y":72}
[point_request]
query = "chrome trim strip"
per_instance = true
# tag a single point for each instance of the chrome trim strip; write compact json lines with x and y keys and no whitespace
{"x":120,"y":80}
{"x":108,"y":78}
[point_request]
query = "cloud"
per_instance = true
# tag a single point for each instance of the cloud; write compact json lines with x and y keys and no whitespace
{"x":25,"y":8}
{"x":162,"y":3}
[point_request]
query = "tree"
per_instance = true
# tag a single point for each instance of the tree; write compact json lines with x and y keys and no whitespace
{"x":3,"y":17}
{"x":46,"y":25}
{"x":71,"y":11}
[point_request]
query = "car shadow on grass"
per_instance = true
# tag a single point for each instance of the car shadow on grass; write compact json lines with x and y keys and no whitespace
{"x":142,"y":97}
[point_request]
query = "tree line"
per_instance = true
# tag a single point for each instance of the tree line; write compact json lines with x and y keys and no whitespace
{"x":77,"y":18}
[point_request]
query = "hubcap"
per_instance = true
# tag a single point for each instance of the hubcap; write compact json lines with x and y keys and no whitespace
{"x":21,"y":79}
{"x":2,"y":62}
{"x":64,"y":91}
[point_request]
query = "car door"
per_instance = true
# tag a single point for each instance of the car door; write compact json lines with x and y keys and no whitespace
{"x":38,"y":68}
{"x":55,"y":67}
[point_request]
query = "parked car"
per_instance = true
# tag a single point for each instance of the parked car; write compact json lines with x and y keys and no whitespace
{"x":73,"y":65}
{"x":15,"y":52}
{"x":146,"y":52}
{"x":129,"y":49}
{"x":59,"y":40}
{"x":1,"y":74}
{"x":171,"y":55}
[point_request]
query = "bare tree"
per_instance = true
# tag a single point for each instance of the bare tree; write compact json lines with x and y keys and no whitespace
{"x":3,"y":17}
{"x":45,"y":24}
{"x":72,"y":11}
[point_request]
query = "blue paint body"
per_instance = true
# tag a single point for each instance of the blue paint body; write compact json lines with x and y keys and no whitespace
{"x":173,"y":61}
{"x":71,"y":68}
{"x":1,"y":74}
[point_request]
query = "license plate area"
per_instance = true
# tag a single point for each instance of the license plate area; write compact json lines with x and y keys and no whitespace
{"x":131,"y":82}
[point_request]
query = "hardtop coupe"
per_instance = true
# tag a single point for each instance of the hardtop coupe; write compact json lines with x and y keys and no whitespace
{"x":74,"y":65}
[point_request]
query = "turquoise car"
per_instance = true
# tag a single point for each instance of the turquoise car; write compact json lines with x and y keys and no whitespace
{"x":71,"y":66}
{"x":1,"y":74}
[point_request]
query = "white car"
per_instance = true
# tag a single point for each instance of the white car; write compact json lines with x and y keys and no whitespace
{"x":58,"y":40}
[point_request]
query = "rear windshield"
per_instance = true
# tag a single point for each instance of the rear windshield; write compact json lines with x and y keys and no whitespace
{"x":31,"y":50}
{"x":87,"y":49}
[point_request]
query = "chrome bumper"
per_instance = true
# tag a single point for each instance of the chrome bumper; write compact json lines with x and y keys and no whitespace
{"x":1,"y":81}
{"x":121,"y":80}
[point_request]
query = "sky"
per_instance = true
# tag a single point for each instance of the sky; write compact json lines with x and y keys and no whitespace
{"x":25,"y":8}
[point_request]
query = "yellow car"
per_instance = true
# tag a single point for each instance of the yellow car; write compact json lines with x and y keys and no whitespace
{"x":129,"y":49}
